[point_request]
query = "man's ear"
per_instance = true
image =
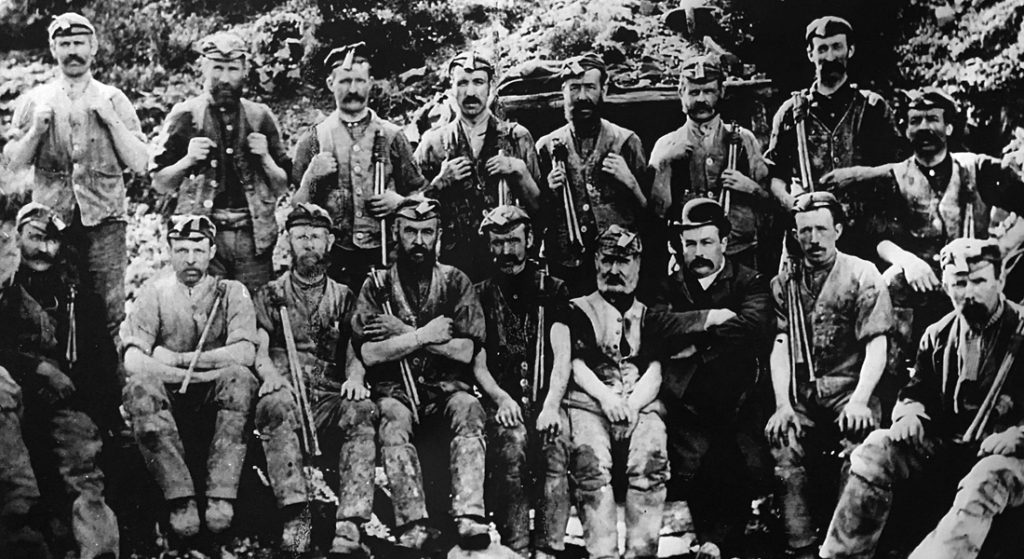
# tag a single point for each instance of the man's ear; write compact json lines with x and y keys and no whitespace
{"x":213,"y":249}
{"x":810,"y":53}
{"x":851,"y":50}
{"x":949,"y":130}
{"x":839,"y":230}
{"x":529,"y":238}
{"x":330,"y":242}
{"x":95,"y":45}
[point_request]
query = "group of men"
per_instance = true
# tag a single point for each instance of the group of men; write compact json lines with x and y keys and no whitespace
{"x":551,"y":311}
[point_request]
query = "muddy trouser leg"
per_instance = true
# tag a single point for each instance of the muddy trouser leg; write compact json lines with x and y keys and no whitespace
{"x":277,"y":422}
{"x":647,"y":473}
{"x":796,"y":494}
{"x":77,"y":446}
{"x":147,"y":403}
{"x":401,"y":464}
{"x":19,"y":491}
{"x":592,"y":472}
{"x":995,"y":484}
{"x":234,"y":393}
{"x":356,"y":461}
{"x":507,"y":491}
{"x":552,"y":513}
{"x":876,"y":466}
{"x":467,"y":454}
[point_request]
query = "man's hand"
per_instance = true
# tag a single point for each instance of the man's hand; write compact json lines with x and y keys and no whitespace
{"x":383,"y":205}
{"x":321,"y":165}
{"x":615,"y":408}
{"x":841,"y":178}
{"x":549,"y":423}
{"x":1009,"y":233}
{"x":918,"y":273}
{"x":679,"y":147}
{"x":104,"y":109}
{"x":505,"y":165}
{"x":907,"y":429}
{"x":272,"y":382}
{"x":42,"y":116}
{"x":557,"y":178}
{"x":354,"y":390}
{"x":780,"y":424}
{"x":455,"y":170}
{"x":1006,"y":443}
{"x":258,"y":144}
{"x":199,"y":149}
{"x":168,"y":357}
{"x":56,"y":386}
{"x":615,"y":165}
{"x":856,"y":418}
{"x":437,"y":331}
{"x":624,"y":430}
{"x":717,"y":317}
{"x":509,"y":413}
{"x":384,"y":326}
{"x":735,"y":180}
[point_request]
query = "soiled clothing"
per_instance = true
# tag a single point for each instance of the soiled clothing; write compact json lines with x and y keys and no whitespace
{"x":464,"y":203}
{"x":27,"y":333}
{"x":231,"y":177}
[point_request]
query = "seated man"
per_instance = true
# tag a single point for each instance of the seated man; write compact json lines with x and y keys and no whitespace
{"x":418,"y":363}
{"x":613,"y":401}
{"x":190,"y":343}
{"x":939,"y":421}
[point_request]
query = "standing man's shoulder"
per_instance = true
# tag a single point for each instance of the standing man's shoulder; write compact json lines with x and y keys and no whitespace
{"x":873,"y":99}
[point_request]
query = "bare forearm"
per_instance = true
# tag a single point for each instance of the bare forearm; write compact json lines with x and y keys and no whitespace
{"x":890,"y":252}
{"x":780,"y":190}
{"x":277,"y":176}
{"x":239,"y":353}
{"x":129,"y":146}
{"x":646,"y":389}
{"x":458,"y":349}
{"x":391,"y":349}
{"x":138,"y":363}
{"x":485,"y":379}
{"x":530,"y":192}
{"x":21,"y":153}
{"x":588,"y":381}
{"x":354,"y":369}
{"x":169,"y":178}
{"x":561,"y":365}
{"x":779,"y":362}
{"x":875,"y":354}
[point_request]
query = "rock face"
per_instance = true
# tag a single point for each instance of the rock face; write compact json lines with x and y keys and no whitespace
{"x":495,"y":551}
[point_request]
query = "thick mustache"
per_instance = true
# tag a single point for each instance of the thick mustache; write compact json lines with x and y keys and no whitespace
{"x":832,"y":66}
{"x":700,"y":261}
{"x":73,"y":58}
{"x":701,"y":107}
{"x":353,"y":97}
{"x":471,"y":99}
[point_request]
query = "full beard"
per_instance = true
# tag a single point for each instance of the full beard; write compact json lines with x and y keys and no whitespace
{"x":310,"y":265}
{"x":226,"y":95}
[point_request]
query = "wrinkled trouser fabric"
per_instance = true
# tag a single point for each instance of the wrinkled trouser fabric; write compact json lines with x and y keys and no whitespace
{"x":278,"y":424}
{"x":151,"y":406}
{"x":880,"y":465}
{"x":464,"y":418}
{"x":102,"y":264}
{"x":236,"y":259}
{"x":646,"y":472}
{"x":19,"y":491}
{"x":523,"y":469}
{"x":354,"y":423}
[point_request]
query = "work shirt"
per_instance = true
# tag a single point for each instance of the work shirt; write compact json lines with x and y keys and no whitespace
{"x":26,"y":333}
{"x":76,"y":164}
{"x":464,"y":203}
{"x":167,"y":313}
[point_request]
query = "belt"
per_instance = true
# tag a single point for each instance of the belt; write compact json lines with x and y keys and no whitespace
{"x":231,"y":219}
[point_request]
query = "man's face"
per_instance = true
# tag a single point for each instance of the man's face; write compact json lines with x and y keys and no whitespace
{"x":700,"y":99}
{"x":975,"y":293}
{"x":224,"y":80}
{"x":830,"y":56}
{"x":309,"y":245}
{"x":617,"y":274}
{"x":817,"y":233}
{"x":582,"y":96}
{"x":39,"y":247}
{"x":74,"y":54}
{"x":351,"y":88}
{"x":509,"y":249}
{"x":927,"y":130}
{"x":190,"y":259}
{"x":417,"y":239}
{"x":10,"y":252}
{"x":703,"y":250}
{"x":471,"y":90}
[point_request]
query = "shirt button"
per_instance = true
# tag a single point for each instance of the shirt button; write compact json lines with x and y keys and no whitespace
{"x":229,"y":151}
{"x":586,"y":207}
{"x":525,"y":400}
{"x":230,"y":127}
{"x":359,"y":235}
{"x":213,"y":184}
{"x":357,"y":169}
{"x":618,"y":319}
{"x":523,"y":366}
{"x":709,"y":161}
{"x":583,"y":228}
{"x":208,"y":203}
{"x":213,"y":163}
{"x":78,"y":187}
{"x":523,"y":383}
{"x":420,"y":379}
{"x":355,"y":148}
{"x":359,"y":213}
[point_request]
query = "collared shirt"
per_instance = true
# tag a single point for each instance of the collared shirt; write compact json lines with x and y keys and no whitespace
{"x":706,"y":281}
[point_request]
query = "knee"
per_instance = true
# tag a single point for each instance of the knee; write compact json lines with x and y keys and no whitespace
{"x":986,"y":489}
{"x":236,"y":388}
{"x":144,"y":395}
{"x":465,"y":414}
{"x":590,"y":470}
{"x":648,"y":468}
{"x":395,"y":423}
{"x":871,"y":460}
{"x":510,"y":443}
{"x":358,"y":418}
{"x":275,"y":409}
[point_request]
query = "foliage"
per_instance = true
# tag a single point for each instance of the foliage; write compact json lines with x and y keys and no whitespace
{"x":146,"y":242}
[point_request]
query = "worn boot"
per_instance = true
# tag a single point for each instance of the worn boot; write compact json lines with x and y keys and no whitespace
{"x":473,"y":534}
{"x":346,"y":544}
{"x":184,"y":518}
{"x":219,"y":514}
{"x":417,"y":537}
{"x":295,"y":534}
{"x":95,"y":528}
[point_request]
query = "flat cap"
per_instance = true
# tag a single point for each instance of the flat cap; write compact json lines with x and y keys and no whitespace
{"x":471,"y":61}
{"x":932,"y":98}
{"x":504,"y":218}
{"x":308,"y":214}
{"x":192,"y":227}
{"x":703,"y":68}
{"x":810,"y":201}
{"x":700,"y":212}
{"x":961,"y":254}
{"x":41,"y":215}
{"x":346,"y":56}
{"x":418,"y":208}
{"x":222,"y":46}
{"x":619,"y":241}
{"x":70,"y":23}
{"x":576,"y":66}
{"x":827,"y":26}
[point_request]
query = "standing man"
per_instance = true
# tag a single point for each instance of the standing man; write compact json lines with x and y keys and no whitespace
{"x":600,"y":165}
{"x":692,"y":162}
{"x":470,"y":159}
{"x":848,"y":130}
{"x":437,"y":328}
{"x":162,"y":336}
{"x":613,"y":402}
{"x":319,"y":311}
{"x":527,"y":431}
{"x":707,"y":388}
{"x":830,"y":402}
{"x":223,"y":156}
{"x":79,"y":136}
{"x":959,"y":359}
{"x":334,"y":168}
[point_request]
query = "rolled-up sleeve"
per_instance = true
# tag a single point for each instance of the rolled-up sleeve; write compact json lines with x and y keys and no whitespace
{"x":142,"y":324}
{"x":240,"y":314}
